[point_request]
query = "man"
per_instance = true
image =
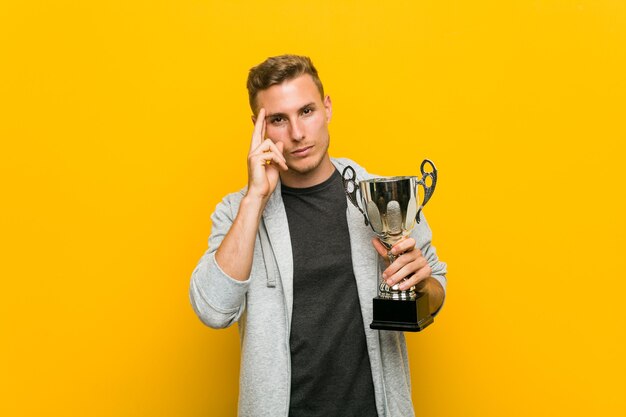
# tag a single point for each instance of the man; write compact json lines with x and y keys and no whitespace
{"x":293,"y":263}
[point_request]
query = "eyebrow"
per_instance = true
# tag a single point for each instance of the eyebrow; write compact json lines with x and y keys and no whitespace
{"x":284,"y":115}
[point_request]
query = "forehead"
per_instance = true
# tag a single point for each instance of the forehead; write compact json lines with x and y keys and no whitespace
{"x":289,"y":95}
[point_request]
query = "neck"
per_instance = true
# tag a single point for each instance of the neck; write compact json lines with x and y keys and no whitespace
{"x":317,"y":175}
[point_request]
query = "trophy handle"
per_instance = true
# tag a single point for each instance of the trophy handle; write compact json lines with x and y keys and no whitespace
{"x":428,"y":190}
{"x":352,"y":189}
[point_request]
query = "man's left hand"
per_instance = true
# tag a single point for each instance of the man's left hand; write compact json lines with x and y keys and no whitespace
{"x":410,"y":267}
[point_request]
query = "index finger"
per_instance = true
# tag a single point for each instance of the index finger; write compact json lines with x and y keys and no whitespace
{"x":259,"y":130}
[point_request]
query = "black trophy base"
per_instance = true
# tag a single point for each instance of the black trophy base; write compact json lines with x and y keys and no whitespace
{"x":402,"y":315}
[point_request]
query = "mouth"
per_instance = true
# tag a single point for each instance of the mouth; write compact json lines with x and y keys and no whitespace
{"x":304,"y":151}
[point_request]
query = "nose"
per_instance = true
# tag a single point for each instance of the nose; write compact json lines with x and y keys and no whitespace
{"x":297,"y":130}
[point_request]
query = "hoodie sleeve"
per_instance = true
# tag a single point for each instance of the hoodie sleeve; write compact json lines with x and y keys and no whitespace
{"x":218,"y":299}
{"x":423,"y":238}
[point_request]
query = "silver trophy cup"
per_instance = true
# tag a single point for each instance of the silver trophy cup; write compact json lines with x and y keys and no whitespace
{"x":392,"y":207}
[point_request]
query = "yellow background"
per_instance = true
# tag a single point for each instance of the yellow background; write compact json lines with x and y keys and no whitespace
{"x":123,"y":123}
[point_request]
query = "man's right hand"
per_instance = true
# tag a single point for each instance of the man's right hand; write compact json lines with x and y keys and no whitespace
{"x":265,"y":161}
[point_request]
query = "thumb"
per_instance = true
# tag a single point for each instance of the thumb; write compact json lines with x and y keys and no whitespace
{"x":380,"y":248}
{"x":281,"y":146}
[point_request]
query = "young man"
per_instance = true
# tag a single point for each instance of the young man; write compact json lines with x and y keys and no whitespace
{"x":293,"y":263}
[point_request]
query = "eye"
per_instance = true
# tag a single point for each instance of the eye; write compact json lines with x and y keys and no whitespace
{"x":307,"y":110}
{"x":277,"y":120}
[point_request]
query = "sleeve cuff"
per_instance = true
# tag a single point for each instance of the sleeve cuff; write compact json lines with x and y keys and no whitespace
{"x":222,"y":292}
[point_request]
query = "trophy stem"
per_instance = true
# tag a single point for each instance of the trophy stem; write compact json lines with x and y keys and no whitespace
{"x":394,"y":292}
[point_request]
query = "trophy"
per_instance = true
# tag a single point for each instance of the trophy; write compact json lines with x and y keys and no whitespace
{"x":390,"y":207}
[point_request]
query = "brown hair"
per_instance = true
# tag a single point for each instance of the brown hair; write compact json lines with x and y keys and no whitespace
{"x":276,"y":70}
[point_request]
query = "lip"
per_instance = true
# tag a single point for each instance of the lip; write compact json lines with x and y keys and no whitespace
{"x":302,"y":151}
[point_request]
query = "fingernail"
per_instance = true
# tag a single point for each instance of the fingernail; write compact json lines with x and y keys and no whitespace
{"x":384,"y":276}
{"x":389,"y":282}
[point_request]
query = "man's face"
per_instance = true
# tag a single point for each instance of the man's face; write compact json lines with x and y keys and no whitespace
{"x":297,"y":116}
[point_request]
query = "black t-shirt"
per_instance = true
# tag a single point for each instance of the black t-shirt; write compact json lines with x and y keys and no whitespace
{"x":330,"y":368}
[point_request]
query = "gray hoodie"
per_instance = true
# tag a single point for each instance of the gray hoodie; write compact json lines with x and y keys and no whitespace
{"x":262,"y":305}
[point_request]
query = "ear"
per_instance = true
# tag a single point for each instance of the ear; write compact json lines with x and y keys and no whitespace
{"x":253,"y":117}
{"x":328,"y":106}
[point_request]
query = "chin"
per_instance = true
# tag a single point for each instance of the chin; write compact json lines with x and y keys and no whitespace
{"x":304,"y":168}
{"x":301,"y":169}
